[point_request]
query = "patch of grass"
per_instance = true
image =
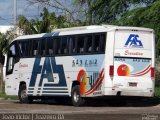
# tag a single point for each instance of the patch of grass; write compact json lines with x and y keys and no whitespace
{"x":157,"y":92}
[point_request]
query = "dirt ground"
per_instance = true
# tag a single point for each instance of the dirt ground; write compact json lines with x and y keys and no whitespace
{"x":97,"y":110}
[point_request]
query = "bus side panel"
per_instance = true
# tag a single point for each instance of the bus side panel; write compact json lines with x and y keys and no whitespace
{"x":47,"y":78}
{"x":109,"y":61}
{"x":88,"y":70}
{"x":53,"y":76}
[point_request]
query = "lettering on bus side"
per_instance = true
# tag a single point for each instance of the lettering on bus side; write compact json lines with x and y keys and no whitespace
{"x":85,"y":63}
{"x":46,"y":70}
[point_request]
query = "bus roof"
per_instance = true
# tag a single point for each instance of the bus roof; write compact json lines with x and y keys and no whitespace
{"x":82,"y":30}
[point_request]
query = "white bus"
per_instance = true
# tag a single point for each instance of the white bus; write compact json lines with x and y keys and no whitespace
{"x":82,"y":62}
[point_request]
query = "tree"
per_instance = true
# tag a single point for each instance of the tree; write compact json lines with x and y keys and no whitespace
{"x":84,"y":15}
{"x":147,"y":16}
{"x":4,"y":42}
{"x":57,"y":5}
{"x":46,"y":23}
{"x":35,"y":26}
{"x":107,"y":11}
{"x":3,"y":46}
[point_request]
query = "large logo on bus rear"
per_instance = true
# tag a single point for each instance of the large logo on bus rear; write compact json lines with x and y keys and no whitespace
{"x":133,"y":41}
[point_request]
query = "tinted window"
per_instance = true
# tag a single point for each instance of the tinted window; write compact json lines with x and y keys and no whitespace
{"x":88,"y":43}
{"x":96,"y":45}
{"x":102,"y":42}
{"x":72,"y":45}
{"x":43,"y":47}
{"x":80,"y":44}
{"x":13,"y":57}
{"x":99,"y":42}
{"x":64,"y":45}
{"x":35,"y":47}
{"x":12,"y":50}
{"x":24,"y":48}
{"x":57,"y":46}
{"x":50,"y":50}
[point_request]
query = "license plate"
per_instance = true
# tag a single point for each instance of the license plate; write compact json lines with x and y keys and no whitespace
{"x":132,"y":84}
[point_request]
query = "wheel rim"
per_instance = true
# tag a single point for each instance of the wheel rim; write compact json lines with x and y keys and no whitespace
{"x":23,"y":94}
{"x":76,"y":96}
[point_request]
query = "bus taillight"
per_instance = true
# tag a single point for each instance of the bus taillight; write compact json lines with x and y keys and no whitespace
{"x":152,"y":72}
{"x":111,"y":70}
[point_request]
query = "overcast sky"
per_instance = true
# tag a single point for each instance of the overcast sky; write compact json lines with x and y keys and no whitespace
{"x":23,"y":8}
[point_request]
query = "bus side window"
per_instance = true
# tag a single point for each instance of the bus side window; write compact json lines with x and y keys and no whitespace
{"x":24,"y":49}
{"x":80,"y":44}
{"x":88,"y":43}
{"x":43,"y":47}
{"x":64,"y":45}
{"x":57,"y":46}
{"x":50,"y":50}
{"x":99,"y":43}
{"x":35,"y":47}
{"x":102,"y":42}
{"x":72,"y":45}
{"x":13,"y":57}
{"x":96,"y":43}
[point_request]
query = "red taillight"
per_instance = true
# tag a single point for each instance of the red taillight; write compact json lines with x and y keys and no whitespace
{"x":152,"y":72}
{"x":111,"y":70}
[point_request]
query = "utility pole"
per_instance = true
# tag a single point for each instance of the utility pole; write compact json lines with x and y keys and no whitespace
{"x":15,"y":12}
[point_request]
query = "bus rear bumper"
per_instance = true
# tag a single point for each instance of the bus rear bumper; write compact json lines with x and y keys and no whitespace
{"x":126,"y":92}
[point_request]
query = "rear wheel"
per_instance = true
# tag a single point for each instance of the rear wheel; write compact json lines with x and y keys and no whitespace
{"x":22,"y":94}
{"x":77,"y":100}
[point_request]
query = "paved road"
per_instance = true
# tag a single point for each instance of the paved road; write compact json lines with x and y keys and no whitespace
{"x":139,"y":110}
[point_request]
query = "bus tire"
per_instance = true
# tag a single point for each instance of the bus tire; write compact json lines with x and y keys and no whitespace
{"x":22,"y":94}
{"x":77,"y":100}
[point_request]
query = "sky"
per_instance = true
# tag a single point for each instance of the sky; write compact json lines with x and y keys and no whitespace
{"x":23,"y":8}
{"x":30,"y":11}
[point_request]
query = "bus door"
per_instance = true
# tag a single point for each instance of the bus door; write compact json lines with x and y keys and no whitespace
{"x":133,"y":61}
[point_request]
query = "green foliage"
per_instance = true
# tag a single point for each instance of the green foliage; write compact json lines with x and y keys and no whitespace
{"x":148,"y":16}
{"x":3,"y":94}
{"x":3,"y":43}
{"x":35,"y":26}
{"x":157,"y":91}
{"x":107,"y":11}
{"x":46,"y":23}
{"x":5,"y":40}
{"x":157,"y":78}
